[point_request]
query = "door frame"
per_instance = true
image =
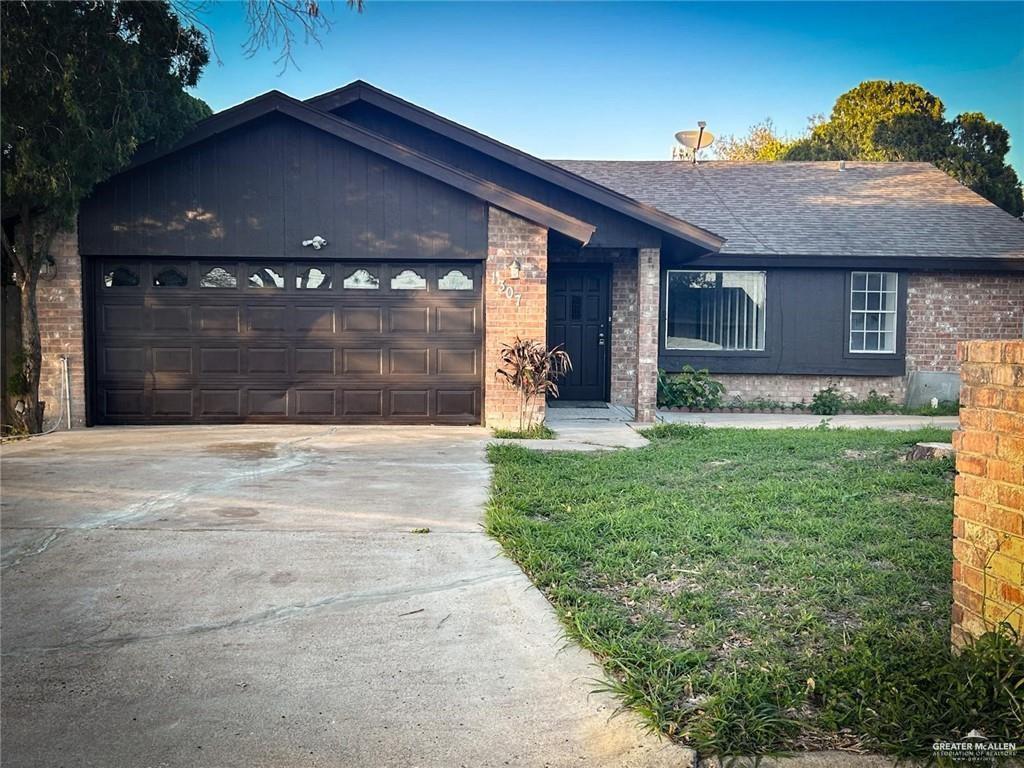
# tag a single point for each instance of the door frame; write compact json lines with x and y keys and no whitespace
{"x":606,"y":270}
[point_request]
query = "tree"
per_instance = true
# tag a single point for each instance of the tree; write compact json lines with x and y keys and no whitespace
{"x":850,"y":132}
{"x":84,"y":84}
{"x":883,"y":121}
{"x":761,"y":144}
{"x":976,"y":157}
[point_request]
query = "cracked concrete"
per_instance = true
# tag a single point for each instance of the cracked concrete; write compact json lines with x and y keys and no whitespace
{"x":254,"y":596}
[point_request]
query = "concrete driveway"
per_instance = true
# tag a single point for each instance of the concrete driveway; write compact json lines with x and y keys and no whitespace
{"x":254,"y":596}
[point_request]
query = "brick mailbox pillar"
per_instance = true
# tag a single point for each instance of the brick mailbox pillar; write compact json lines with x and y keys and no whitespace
{"x":988,"y":521}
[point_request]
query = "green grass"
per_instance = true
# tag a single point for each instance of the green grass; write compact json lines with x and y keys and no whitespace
{"x":753,"y":592}
{"x":535,"y":432}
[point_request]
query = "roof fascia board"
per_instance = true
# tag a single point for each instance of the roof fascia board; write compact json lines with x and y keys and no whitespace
{"x":518,"y":159}
{"x":911,"y":263}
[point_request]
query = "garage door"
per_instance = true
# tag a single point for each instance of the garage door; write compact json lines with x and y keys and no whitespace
{"x":246,"y":341}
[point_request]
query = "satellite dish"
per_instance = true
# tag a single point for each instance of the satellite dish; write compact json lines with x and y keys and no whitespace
{"x":695,"y":140}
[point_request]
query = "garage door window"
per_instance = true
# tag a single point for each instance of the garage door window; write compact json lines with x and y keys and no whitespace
{"x":455,"y":280}
{"x":170,"y":277}
{"x":408,"y":280}
{"x":120,"y":277}
{"x":362,"y":279}
{"x":218,"y":277}
{"x":313,"y":278}
{"x":266,"y":277}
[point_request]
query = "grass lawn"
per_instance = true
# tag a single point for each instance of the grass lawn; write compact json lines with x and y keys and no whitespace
{"x":753,"y":591}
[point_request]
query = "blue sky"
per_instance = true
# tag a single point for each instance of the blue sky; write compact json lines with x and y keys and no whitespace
{"x":616,"y":80}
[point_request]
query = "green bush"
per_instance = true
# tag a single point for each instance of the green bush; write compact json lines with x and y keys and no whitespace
{"x":827,"y":402}
{"x":689,"y":389}
{"x":873,"y":403}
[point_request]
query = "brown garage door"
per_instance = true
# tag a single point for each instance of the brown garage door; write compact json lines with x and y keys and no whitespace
{"x":233,"y":341}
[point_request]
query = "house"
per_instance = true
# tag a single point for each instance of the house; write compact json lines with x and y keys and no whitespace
{"x":355,"y":258}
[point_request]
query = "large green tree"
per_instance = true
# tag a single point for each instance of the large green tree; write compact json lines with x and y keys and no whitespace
{"x":84,"y":84}
{"x":882,"y":120}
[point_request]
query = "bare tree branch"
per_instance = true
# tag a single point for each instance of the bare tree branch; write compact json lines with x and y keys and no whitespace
{"x":273,"y":25}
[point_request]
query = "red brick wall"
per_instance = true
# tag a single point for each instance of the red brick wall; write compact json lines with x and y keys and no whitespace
{"x":59,"y":305}
{"x":946,"y":307}
{"x":795,"y":389}
{"x":648,"y":303}
{"x":512,"y":307}
{"x":988,"y":522}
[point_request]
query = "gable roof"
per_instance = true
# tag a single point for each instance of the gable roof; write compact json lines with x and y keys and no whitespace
{"x":898,"y":210}
{"x":280,"y":103}
{"x":551,"y":172}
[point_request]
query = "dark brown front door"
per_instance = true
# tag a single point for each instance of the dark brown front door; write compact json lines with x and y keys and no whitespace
{"x":190,"y":341}
{"x":578,"y":319}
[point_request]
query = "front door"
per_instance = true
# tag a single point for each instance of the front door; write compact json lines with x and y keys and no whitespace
{"x":578,"y":319}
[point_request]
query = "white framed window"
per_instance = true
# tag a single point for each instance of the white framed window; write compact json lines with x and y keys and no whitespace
{"x":715,"y":311}
{"x":873,"y":299}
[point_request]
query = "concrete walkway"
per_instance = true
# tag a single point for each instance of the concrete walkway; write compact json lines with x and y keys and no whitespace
{"x":255,"y":596}
{"x":587,"y":429}
{"x":806,"y":420}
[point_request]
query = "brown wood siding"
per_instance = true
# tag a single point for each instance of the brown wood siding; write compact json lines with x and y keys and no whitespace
{"x":261,"y":189}
{"x":614,"y":230}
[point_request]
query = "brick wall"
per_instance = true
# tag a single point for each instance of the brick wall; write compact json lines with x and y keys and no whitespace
{"x":946,"y":307}
{"x":59,"y":306}
{"x":988,"y":522}
{"x":648,"y":302}
{"x":512,"y":307}
{"x":795,"y":389}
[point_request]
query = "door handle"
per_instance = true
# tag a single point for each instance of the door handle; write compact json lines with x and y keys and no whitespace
{"x":600,"y":339}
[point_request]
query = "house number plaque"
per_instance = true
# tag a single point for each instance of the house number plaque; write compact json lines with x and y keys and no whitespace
{"x":507,"y":290}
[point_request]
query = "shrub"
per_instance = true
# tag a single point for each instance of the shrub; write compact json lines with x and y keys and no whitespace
{"x":533,"y":370}
{"x":689,"y":389}
{"x":873,"y":403}
{"x":827,"y":402}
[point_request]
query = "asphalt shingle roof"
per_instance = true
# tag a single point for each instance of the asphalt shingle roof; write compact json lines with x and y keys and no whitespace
{"x":814,"y":209}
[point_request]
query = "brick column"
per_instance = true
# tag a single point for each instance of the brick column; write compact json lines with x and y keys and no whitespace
{"x":648,"y":301}
{"x":512,"y":306}
{"x":988,"y":511}
{"x":61,"y":332}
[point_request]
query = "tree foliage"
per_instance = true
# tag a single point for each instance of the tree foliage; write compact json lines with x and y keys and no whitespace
{"x":84,"y":84}
{"x":762,"y":143}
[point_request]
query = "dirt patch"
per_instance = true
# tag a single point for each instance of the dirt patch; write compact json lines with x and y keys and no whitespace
{"x":849,"y":453}
{"x":253,"y":450}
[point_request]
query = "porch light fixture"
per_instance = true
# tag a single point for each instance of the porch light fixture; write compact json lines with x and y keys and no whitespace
{"x":513,"y":269}
{"x":48,"y":269}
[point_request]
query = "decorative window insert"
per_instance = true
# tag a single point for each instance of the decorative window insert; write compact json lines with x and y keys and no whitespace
{"x":715,"y":311}
{"x":313,"y":278}
{"x":455,"y":280}
{"x":170,"y":277}
{"x":873,"y":297}
{"x":218,"y":277}
{"x":362,"y":280}
{"x":408,"y":280}
{"x":120,"y":277}
{"x":266,"y":277}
